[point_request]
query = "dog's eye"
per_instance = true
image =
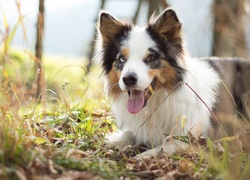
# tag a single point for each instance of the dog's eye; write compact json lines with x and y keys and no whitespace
{"x":151,"y":57}
{"x":122,"y":59}
{"x":153,"y":60}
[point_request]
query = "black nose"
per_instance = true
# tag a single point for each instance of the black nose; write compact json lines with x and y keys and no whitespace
{"x":130,"y":79}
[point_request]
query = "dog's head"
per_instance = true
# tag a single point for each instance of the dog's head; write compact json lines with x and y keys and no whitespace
{"x":140,"y":60}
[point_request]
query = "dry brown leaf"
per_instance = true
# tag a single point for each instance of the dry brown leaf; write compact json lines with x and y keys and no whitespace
{"x":219,"y":147}
{"x":76,"y":153}
{"x":77,"y":175}
{"x":20,"y":173}
{"x":51,"y":167}
{"x":186,"y":166}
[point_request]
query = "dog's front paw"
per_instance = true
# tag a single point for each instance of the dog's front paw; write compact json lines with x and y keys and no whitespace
{"x":119,"y":139}
{"x":149,"y":153}
{"x":167,"y":148}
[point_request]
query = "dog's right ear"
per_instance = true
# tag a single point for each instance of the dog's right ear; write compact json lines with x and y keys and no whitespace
{"x":108,"y":26}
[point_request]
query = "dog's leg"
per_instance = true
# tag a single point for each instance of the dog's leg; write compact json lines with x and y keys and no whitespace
{"x":120,"y":139}
{"x":167,"y":147}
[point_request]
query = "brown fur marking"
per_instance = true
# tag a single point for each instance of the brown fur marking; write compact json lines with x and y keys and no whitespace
{"x":114,"y":89}
{"x":167,"y":25}
{"x":109,"y":27}
{"x":166,"y":77}
{"x":125,"y":52}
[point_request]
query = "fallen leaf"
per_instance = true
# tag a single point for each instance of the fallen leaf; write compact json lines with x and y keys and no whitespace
{"x":40,"y":140}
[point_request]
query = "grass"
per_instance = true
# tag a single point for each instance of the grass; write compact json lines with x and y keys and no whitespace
{"x":64,"y":136}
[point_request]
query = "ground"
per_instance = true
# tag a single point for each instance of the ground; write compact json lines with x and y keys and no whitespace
{"x":63,"y":137}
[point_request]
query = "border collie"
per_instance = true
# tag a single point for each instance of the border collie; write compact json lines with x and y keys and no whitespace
{"x":156,"y":89}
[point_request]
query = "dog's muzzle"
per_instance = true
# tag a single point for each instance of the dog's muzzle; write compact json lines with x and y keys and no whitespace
{"x":138,"y":98}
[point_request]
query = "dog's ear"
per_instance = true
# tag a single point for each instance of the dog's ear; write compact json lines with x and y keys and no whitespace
{"x":166,"y":24}
{"x":108,"y":26}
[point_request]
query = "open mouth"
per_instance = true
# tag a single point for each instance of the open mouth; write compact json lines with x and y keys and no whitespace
{"x":138,"y":98}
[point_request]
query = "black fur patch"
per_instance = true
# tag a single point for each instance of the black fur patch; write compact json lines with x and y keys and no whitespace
{"x":170,"y":51}
{"x":153,"y":61}
{"x":112,"y":48}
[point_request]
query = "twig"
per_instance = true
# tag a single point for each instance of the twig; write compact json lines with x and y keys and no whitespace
{"x":201,"y":101}
{"x":194,"y":93}
{"x":161,"y":103}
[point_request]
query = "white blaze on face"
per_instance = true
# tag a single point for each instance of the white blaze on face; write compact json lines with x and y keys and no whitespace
{"x":137,"y":44}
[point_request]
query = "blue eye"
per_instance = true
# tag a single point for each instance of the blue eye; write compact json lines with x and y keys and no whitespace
{"x":122,"y":59}
{"x":120,"y":62}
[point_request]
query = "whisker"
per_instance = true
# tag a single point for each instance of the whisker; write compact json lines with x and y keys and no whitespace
{"x":114,"y":87}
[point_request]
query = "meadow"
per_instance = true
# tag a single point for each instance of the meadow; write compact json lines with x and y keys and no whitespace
{"x":62,"y":137}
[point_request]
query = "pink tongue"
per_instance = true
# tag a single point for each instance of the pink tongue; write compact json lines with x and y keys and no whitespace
{"x":135,"y":101}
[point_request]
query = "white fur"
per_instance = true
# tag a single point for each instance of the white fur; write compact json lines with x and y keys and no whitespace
{"x":138,"y":43}
{"x":181,"y":105}
{"x":182,"y":111}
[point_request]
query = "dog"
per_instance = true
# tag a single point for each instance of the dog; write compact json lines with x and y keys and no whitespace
{"x":157,"y":91}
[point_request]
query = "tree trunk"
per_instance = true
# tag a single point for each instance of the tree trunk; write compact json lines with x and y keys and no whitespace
{"x":135,"y":18}
{"x":92,"y":45}
{"x":229,"y":28}
{"x":164,"y":4}
{"x":39,"y":49}
{"x":153,"y":7}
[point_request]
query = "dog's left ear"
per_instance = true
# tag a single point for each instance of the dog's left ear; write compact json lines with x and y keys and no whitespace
{"x":167,"y":25}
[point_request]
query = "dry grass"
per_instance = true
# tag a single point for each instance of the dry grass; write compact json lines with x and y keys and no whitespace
{"x":64,"y":136}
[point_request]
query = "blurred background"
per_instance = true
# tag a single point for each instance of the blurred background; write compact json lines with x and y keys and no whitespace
{"x":64,"y":32}
{"x":69,"y":25}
